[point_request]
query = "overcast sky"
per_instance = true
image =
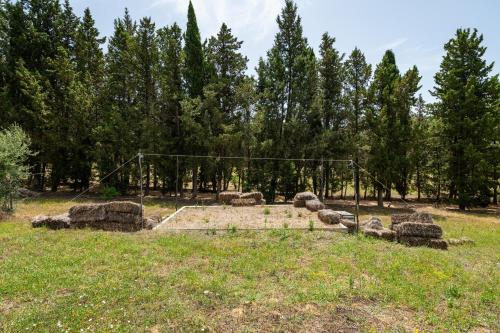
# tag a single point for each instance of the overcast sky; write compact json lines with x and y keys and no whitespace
{"x":415,"y":30}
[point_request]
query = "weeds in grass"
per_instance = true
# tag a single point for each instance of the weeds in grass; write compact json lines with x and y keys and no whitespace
{"x":311,"y":225}
{"x":452,"y":293}
{"x":231,"y":228}
{"x":351,"y":282}
{"x":211,"y":232}
{"x":267,"y":211}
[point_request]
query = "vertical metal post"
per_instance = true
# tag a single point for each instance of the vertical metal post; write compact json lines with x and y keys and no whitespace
{"x":356,"y":196}
{"x":176,"y":181}
{"x":140,"y":156}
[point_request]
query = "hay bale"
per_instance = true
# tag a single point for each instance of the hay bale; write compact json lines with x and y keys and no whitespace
{"x":258,"y":196}
{"x":414,"y":229}
{"x":300,"y":198}
{"x":350,"y":225}
{"x":123,"y":218}
{"x":329,"y":216}
{"x":373,"y":223}
{"x":460,"y":241}
{"x":226,"y":197}
{"x":422,"y":241}
{"x":87,"y":213}
{"x":150,"y":223}
{"x":52,"y":222}
{"x":314,"y":205}
{"x":123,"y":207}
{"x":397,"y":219}
{"x":243,"y":202}
{"x":112,"y":216}
{"x":109,"y":226}
{"x":421,"y":217}
{"x":384,"y":233}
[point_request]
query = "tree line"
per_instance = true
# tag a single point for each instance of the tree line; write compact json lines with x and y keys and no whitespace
{"x":168,"y":91}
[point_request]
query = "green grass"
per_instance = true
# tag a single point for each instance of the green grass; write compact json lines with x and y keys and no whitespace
{"x":280,"y":280}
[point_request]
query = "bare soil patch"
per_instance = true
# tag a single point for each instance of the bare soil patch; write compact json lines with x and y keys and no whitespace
{"x":246,"y":218}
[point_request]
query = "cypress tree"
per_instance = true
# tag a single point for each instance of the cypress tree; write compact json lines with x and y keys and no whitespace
{"x":358,"y":74}
{"x":404,"y":96}
{"x":171,"y":95}
{"x":468,"y":106}
{"x":193,"y":67}
{"x":382,"y":122}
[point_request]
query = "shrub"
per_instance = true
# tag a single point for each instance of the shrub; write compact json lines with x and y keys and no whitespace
{"x":267,"y":211}
{"x":110,"y":192}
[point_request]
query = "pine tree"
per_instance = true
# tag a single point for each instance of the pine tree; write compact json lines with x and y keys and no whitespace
{"x":468,"y":99}
{"x":358,"y":74}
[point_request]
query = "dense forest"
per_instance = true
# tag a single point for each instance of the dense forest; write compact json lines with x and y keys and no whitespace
{"x":169,"y":91}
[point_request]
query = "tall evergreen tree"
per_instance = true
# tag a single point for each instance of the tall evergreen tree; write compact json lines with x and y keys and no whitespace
{"x":405,"y":99}
{"x":468,"y":106}
{"x":358,"y":74}
{"x":147,"y":61}
{"x":171,"y":95}
{"x":287,"y":84}
{"x":193,"y":50}
{"x":331,"y":140}
{"x":119,"y":128}
{"x":228,"y":67}
{"x":382,"y":121}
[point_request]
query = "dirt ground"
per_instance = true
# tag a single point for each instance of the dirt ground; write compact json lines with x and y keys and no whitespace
{"x":245,"y":218}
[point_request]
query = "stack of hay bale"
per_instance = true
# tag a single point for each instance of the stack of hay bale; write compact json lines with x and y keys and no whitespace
{"x":374,"y":227}
{"x":227,"y":196}
{"x":119,"y":216}
{"x":243,"y":202}
{"x":308,"y":200}
{"x":112,"y":216}
{"x":239,"y":199}
{"x":418,"y":229}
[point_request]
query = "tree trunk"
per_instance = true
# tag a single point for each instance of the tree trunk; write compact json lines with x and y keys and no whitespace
{"x":194,"y":192}
{"x":380,"y":200}
{"x":148,"y":178}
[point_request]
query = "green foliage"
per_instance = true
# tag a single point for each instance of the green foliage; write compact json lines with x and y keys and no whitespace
{"x":109,"y":192}
{"x":14,"y":151}
{"x":468,"y":106}
{"x":311,"y":225}
{"x":165,"y":91}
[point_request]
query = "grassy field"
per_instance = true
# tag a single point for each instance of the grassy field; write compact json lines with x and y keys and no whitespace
{"x":239,"y":281}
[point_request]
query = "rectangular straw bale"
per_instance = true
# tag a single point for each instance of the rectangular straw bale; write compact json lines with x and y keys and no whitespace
{"x":419,"y":230}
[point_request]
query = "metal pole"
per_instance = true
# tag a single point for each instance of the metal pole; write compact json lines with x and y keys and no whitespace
{"x":140,"y":156}
{"x":176,"y":181}
{"x":356,"y":196}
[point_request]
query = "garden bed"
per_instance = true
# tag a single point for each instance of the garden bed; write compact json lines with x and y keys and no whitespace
{"x":244,"y":218}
